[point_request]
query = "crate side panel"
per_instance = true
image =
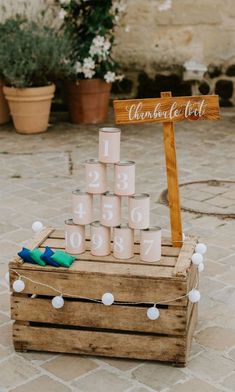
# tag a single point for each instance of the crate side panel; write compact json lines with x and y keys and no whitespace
{"x":94,"y":285}
{"x":108,"y":344}
{"x":128,"y":318}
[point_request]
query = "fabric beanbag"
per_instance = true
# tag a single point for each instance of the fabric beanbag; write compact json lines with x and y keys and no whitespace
{"x":46,"y":256}
{"x":36,"y":256}
{"x":25,"y":255}
{"x":63,"y":258}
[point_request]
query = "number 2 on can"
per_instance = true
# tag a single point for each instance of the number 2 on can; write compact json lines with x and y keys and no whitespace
{"x":95,"y":176}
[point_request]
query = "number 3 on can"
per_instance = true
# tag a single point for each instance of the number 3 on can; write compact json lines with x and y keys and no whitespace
{"x":122,"y":185}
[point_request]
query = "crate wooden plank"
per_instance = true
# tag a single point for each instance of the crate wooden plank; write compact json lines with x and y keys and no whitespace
{"x":123,"y":345}
{"x":94,"y":285}
{"x":84,"y":314}
{"x":130,"y":270}
{"x":165,"y":261}
{"x":184,"y":259}
{"x":190,"y":330}
{"x":60,"y":244}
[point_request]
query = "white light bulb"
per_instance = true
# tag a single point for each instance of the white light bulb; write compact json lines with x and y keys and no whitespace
{"x":107,"y":299}
{"x":201,"y":248}
{"x":57,"y":302}
{"x":7,"y":278}
{"x":37,"y":226}
{"x":200,"y":267}
{"x":194,"y":296}
{"x":153,"y":313}
{"x":197,"y":258}
{"x":18,"y":285}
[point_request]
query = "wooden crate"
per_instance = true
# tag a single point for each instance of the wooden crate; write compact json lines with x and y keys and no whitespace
{"x":85,"y":327}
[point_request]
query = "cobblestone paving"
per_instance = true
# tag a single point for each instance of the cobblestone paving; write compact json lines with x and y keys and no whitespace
{"x":37,"y":176}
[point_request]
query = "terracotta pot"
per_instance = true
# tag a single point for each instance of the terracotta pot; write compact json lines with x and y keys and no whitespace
{"x":30,"y":107}
{"x":88,"y":101}
{"x":4,"y":109}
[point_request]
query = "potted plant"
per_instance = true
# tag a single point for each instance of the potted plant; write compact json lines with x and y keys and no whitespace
{"x":90,"y":25}
{"x":4,"y":109}
{"x":32,"y":56}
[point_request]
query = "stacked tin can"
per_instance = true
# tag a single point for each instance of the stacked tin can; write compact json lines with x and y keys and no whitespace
{"x":110,"y":224}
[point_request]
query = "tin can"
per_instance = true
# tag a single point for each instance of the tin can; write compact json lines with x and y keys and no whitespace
{"x":75,"y":242}
{"x":109,"y":145}
{"x":150,"y":244}
{"x":110,"y":209}
{"x":100,"y":239}
{"x":96,"y":176}
{"x":82,"y":207}
{"x":123,"y":242}
{"x":124,"y":178}
{"x":139,"y":211}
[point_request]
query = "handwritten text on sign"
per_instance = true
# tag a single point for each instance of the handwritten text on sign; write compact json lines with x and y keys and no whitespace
{"x":167,"y":109}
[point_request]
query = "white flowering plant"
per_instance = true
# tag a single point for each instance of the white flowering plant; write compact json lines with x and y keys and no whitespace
{"x":90,"y":24}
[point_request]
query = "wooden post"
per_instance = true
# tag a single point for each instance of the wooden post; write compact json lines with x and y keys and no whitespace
{"x":172,"y":180}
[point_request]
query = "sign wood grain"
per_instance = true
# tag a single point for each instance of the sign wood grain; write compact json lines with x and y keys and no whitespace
{"x":167,"y":109}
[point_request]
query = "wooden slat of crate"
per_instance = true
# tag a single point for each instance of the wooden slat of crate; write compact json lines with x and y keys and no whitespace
{"x":59,"y":243}
{"x":123,"y":345}
{"x":94,"y":315}
{"x":124,"y":285}
{"x":165,"y":261}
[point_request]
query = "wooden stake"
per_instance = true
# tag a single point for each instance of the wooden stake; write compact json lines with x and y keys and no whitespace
{"x":172,"y":180}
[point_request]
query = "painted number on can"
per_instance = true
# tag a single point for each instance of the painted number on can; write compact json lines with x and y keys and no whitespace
{"x":106,"y":148}
{"x":95,"y":176}
{"x":136,"y":215}
{"x":118,"y":244}
{"x":122,"y":185}
{"x":147,"y":246}
{"x":108,"y":212}
{"x":80,"y":210}
{"x":97,"y":241}
{"x":74,"y":239}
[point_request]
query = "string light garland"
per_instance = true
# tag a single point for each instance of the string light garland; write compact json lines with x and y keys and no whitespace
{"x":37,"y":226}
{"x":153,"y":312}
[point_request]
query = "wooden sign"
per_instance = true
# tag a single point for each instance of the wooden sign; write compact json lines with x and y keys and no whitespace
{"x":168,"y":110}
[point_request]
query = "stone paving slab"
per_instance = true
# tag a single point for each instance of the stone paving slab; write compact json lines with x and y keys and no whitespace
{"x":38,"y":175}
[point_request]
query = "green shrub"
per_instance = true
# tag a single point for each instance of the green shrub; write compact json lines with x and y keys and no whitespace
{"x":31,"y":54}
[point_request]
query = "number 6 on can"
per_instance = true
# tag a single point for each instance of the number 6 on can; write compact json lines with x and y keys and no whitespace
{"x":139,"y":210}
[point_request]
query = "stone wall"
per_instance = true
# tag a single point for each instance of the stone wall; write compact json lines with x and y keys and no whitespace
{"x":158,"y":36}
{"x":158,"y":42}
